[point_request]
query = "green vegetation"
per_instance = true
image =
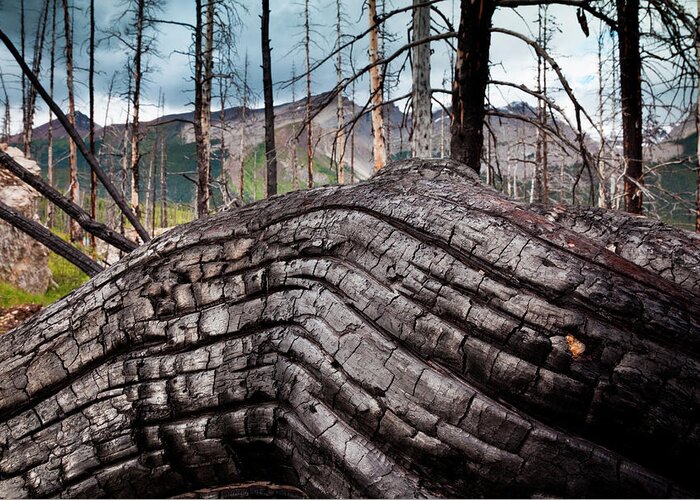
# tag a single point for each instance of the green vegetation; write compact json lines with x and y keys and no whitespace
{"x":66,"y":278}
{"x":180,"y":160}
{"x":674,"y":188}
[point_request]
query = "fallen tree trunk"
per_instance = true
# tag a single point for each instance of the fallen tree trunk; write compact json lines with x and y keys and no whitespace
{"x":418,"y":334}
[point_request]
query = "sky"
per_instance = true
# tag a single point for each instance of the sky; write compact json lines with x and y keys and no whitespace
{"x":171,"y":70}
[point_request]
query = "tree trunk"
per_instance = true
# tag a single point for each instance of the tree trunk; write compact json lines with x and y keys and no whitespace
{"x":163,"y":179}
{"x":471,"y":78}
{"x":136,"y":101}
{"x":309,"y":119}
{"x":541,"y":147}
{"x":421,"y":103}
{"x":241,"y":150}
{"x":631,"y":100}
{"x":204,"y":66}
{"x":375,"y":89}
{"x":270,"y":151}
{"x":91,"y":90}
{"x":49,"y":132}
{"x":36,"y":67}
{"x":75,"y":233}
{"x":697,"y":124}
{"x":340,"y":136}
{"x":419,"y":334}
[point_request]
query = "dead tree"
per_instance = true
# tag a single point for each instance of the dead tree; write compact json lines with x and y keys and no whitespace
{"x":136,"y":137}
{"x":375,"y":88}
{"x":631,"y":101}
{"x":91,"y":91}
{"x":29,"y":90}
{"x":242,"y":131}
{"x":422,"y":117}
{"x":49,"y":132}
{"x":309,"y":117}
{"x":204,"y":74}
{"x":270,"y":151}
{"x":75,"y":233}
{"x":340,"y":135}
{"x":419,"y":334}
{"x":471,"y":78}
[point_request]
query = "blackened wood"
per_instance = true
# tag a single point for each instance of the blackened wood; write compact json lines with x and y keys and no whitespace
{"x":49,"y":240}
{"x":270,"y":151}
{"x":74,"y":211}
{"x":471,"y":78}
{"x":418,"y":334}
{"x":631,"y":101}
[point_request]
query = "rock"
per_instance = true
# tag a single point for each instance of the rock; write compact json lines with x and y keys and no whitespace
{"x":25,"y":262}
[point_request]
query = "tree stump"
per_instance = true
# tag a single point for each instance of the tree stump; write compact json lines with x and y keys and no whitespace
{"x":415,"y":335}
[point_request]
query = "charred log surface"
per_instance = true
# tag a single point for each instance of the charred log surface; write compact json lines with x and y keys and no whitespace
{"x":415,"y":335}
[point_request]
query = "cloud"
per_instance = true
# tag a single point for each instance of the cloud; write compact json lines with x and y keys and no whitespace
{"x":171,"y":71}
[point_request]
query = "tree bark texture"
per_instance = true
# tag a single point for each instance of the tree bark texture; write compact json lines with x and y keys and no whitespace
{"x":471,"y":78}
{"x":422,"y":119}
{"x":631,"y":101}
{"x":270,"y":151}
{"x":419,"y":334}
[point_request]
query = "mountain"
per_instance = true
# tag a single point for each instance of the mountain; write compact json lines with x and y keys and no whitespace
{"x":243,"y":144}
{"x":82,"y":125}
{"x":510,"y":139}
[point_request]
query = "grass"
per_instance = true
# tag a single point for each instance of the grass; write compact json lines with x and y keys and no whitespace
{"x":66,"y":278}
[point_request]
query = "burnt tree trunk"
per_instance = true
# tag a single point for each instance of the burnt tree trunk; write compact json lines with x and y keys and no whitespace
{"x":270,"y":150}
{"x":471,"y":79}
{"x":631,"y":101}
{"x":422,"y":116}
{"x":376,"y":86}
{"x":419,"y":334}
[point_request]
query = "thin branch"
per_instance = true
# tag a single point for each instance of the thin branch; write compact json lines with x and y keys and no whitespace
{"x":89,"y":157}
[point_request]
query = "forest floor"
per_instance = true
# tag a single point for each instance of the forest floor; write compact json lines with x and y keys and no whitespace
{"x":12,"y":316}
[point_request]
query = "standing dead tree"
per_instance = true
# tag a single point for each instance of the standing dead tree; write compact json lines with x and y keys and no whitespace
{"x":417,"y":334}
{"x":270,"y":151}
{"x":309,"y":116}
{"x":471,"y":78}
{"x":75,"y":233}
{"x":375,"y":88}
{"x":30,"y":92}
{"x":421,"y":102}
{"x":204,"y":74}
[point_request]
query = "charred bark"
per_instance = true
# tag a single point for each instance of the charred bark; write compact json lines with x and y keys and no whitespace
{"x":75,"y":212}
{"x":471,"y":78}
{"x":631,"y":101}
{"x":50,"y":240}
{"x":418,"y":334}
{"x":270,"y":150}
